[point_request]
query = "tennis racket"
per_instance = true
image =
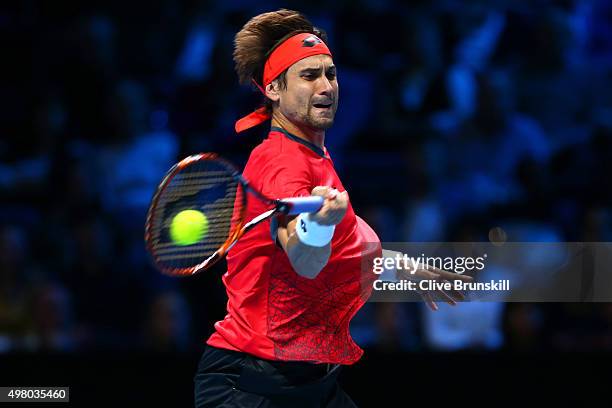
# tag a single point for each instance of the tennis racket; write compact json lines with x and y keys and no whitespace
{"x":213,"y":186}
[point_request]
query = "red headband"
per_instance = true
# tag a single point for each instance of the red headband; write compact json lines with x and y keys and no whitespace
{"x":289,"y":52}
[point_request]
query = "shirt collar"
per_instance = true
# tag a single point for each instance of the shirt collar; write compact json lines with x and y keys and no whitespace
{"x":295,"y":138}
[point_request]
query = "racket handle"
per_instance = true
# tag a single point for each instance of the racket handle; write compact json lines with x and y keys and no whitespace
{"x":297,"y":205}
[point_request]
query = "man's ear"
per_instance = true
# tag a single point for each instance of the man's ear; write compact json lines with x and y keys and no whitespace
{"x":272,"y":91}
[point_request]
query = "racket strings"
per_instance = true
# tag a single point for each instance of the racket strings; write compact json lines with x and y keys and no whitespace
{"x":207,"y":186}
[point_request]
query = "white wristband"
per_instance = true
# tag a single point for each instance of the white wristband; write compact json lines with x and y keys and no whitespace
{"x":311,"y":232}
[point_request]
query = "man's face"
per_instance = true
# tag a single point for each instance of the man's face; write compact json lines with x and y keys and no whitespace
{"x":311,"y":97}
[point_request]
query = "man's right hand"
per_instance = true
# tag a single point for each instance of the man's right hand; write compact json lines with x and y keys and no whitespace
{"x":334,"y":207}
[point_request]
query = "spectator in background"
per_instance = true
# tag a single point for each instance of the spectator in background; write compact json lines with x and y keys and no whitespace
{"x":145,"y":149}
{"x":477,"y":324}
{"x":15,"y":320}
{"x":168,"y":326}
{"x":484,"y":156}
{"x":129,"y":168}
{"x":53,"y":325}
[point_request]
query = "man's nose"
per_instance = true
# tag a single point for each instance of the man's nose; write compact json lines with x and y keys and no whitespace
{"x":325,"y":87}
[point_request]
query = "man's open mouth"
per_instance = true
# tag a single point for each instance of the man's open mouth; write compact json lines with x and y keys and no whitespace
{"x":322,"y":105}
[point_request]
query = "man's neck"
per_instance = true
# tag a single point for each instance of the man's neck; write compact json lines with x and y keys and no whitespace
{"x":316,"y":137}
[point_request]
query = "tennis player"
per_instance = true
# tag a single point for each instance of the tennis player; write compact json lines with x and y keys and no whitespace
{"x":293,"y":284}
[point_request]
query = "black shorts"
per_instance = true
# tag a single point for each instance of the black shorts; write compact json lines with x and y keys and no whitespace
{"x":227,"y":378}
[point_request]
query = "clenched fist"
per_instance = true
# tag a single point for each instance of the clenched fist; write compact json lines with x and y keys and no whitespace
{"x":334,"y":206}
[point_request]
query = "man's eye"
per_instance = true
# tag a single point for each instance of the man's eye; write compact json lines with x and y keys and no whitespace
{"x":309,"y":76}
{"x":331,"y":75}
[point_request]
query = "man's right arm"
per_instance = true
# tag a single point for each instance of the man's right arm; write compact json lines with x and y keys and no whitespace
{"x":305,"y":259}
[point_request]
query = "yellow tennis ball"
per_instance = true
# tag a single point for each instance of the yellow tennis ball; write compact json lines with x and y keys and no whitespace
{"x":188,"y":227}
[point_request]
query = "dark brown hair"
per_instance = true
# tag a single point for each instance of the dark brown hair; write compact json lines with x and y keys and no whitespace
{"x":258,"y":38}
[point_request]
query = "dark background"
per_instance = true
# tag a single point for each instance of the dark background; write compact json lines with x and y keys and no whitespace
{"x":455,"y":118}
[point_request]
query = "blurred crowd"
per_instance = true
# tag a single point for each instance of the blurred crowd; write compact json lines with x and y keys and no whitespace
{"x":455,"y":118}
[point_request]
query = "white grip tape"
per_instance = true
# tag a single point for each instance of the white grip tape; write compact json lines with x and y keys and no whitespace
{"x":311,"y":232}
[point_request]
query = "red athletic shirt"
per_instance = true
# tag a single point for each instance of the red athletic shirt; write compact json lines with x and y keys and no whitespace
{"x":273,"y":312}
